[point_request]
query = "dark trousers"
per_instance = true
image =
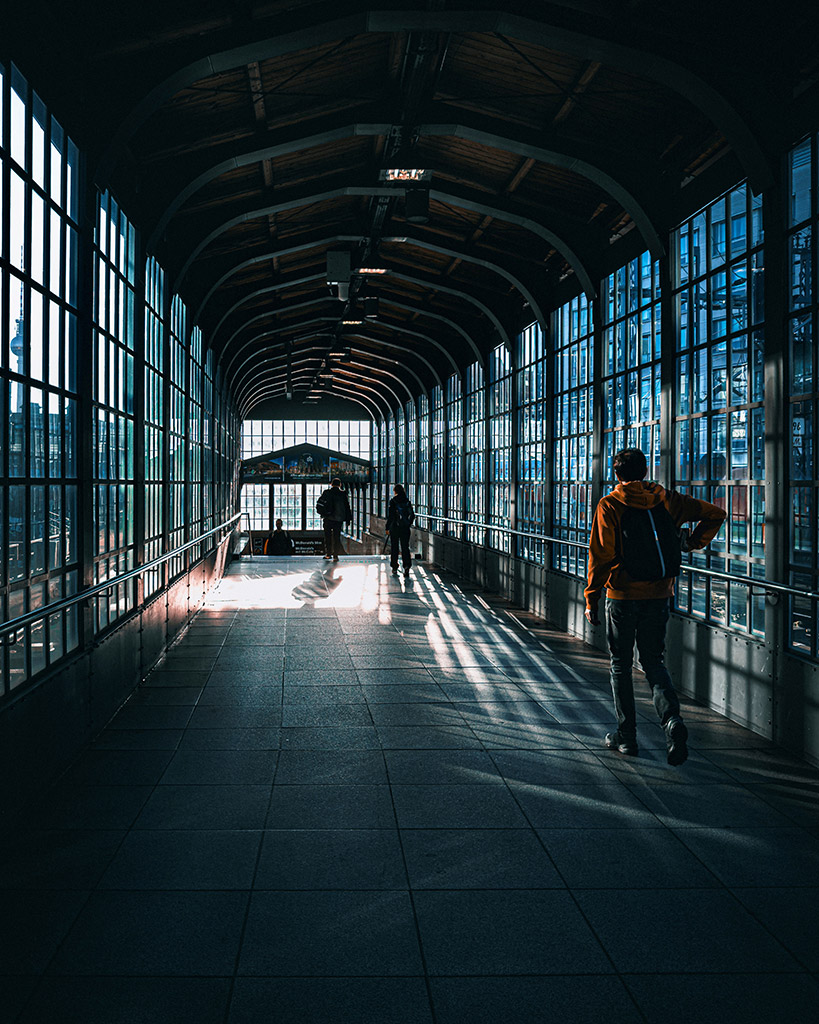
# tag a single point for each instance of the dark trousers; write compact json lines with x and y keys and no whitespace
{"x":645,"y":623}
{"x":332,"y":537}
{"x":400,"y":535}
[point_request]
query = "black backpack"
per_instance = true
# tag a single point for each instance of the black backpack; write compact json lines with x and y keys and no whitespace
{"x":650,"y":543}
{"x":404,"y":513}
{"x":323,"y":504}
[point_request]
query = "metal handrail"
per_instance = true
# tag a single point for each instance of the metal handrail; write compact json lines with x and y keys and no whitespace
{"x":748,"y":581}
{"x":51,"y":609}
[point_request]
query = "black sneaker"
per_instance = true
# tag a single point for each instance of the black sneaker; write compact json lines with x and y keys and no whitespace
{"x":676,"y":736}
{"x":395,"y":572}
{"x":406,"y":573}
{"x":614,"y":741}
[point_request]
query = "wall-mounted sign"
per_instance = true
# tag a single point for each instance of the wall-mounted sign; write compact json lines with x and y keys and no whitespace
{"x":305,"y":463}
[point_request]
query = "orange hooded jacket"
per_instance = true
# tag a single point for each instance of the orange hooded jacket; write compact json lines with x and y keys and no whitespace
{"x":604,"y":544}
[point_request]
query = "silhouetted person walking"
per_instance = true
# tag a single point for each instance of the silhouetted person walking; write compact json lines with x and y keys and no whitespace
{"x":400,"y":517}
{"x":634,"y":552}
{"x":334,"y":508}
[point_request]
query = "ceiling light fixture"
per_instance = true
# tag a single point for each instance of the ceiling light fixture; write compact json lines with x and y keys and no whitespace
{"x":407,"y":174}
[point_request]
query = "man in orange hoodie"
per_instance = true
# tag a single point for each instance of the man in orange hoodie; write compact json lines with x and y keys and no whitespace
{"x":634,"y":553}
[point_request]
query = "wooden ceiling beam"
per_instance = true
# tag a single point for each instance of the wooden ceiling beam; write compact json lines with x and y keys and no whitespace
{"x":576,"y":90}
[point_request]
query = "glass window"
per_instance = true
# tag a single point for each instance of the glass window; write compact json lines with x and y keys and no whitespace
{"x":803,"y":221}
{"x":38,"y":400}
{"x":719,"y":419}
{"x":500,"y":446}
{"x":573,"y":360}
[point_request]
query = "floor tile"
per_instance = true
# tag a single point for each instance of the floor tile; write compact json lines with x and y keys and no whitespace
{"x":403,"y":693}
{"x":719,"y":805}
{"x":315,"y":696}
{"x":350,"y":737}
{"x":426,"y":737}
{"x":573,"y":1000}
{"x":217,"y":716}
{"x":135,"y":716}
{"x":756,"y":856}
{"x":318,"y":715}
{"x":454,"y":806}
{"x":206,"y":807}
{"x":336,"y":1000}
{"x":41,"y":922}
{"x":138,"y":739}
{"x":510,"y":932}
{"x":129,"y":1001}
{"x":564,"y":767}
{"x":415,"y":714}
{"x":88,"y":807}
{"x":119,"y":767}
{"x":440,"y":767}
{"x":231,"y":739}
{"x":790,"y":915}
{"x":586,"y":806}
{"x":625,"y":858}
{"x":169,"y":859}
{"x":221,"y":768}
{"x":74,"y":859}
{"x":712,"y":932}
{"x":308,"y":677}
{"x":331,"y":859}
{"x":323,"y":767}
{"x":313,"y":807}
{"x":725,"y":998}
{"x":330,"y":934}
{"x":194,"y":934}
{"x":477,"y":859}
{"x":158,"y":696}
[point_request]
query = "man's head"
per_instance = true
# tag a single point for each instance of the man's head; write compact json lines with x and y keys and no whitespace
{"x":630,"y":464}
{"x":336,"y":482}
{"x":279,"y":524}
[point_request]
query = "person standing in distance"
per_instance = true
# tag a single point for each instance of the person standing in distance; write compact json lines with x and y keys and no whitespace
{"x":278,"y":542}
{"x":334,"y":508}
{"x":400,"y":517}
{"x":634,"y":553}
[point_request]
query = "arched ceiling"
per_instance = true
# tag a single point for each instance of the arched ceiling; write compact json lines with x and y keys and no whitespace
{"x":249,"y":140}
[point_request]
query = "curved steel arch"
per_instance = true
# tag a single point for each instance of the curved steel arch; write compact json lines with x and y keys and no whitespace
{"x":396,"y":328}
{"x":333,"y":240}
{"x":413,"y":309}
{"x":496,"y":268}
{"x":356,"y":384}
{"x":502,"y":212}
{"x":291,"y":283}
{"x":273,"y":363}
{"x":494,"y":134}
{"x":263,"y":393}
{"x":643,"y":62}
{"x":250,"y":381}
{"x":355,"y":334}
{"x":372,"y":409}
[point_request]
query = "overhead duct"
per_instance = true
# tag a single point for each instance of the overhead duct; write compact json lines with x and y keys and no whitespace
{"x":338,"y":272}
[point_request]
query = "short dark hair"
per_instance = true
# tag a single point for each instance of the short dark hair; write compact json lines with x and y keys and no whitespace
{"x":399,"y":490}
{"x":335,"y":482}
{"x":630,"y":464}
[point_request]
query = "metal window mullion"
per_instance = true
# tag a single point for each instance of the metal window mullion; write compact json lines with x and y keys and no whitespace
{"x":598,"y":399}
{"x":778,"y":485}
{"x":165,"y":342}
{"x":138,"y":328}
{"x":85,"y":412}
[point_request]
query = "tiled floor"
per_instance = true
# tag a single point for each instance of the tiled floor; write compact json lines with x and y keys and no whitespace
{"x":345,"y":797}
